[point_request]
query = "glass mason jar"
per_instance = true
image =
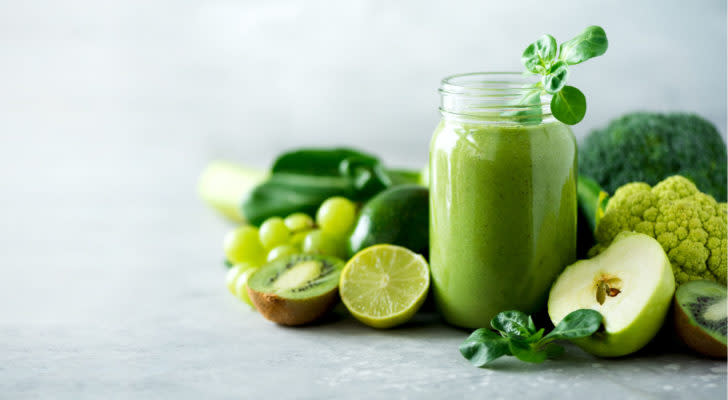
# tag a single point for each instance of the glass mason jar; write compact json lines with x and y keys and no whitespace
{"x":502,"y":198}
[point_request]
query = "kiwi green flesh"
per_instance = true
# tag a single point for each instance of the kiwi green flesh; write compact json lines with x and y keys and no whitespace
{"x":296,"y":290}
{"x":700,"y":316}
{"x":299,"y":276}
{"x":704,"y":302}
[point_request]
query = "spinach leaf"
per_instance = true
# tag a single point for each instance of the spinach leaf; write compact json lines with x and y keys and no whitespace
{"x":553,"y":350}
{"x":512,"y":323}
{"x":301,"y":180}
{"x":568,"y":105}
{"x":525,"y":351}
{"x":519,"y":337}
{"x":484,"y":346}
{"x":539,"y":55}
{"x":577,"y":324}
{"x":556,"y":78}
{"x":590,"y":43}
{"x":535,"y":337}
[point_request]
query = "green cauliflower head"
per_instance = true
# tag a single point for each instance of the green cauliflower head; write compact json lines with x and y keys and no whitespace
{"x":690,"y":225}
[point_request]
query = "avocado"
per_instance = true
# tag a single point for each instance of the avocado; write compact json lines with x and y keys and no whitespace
{"x":399,"y":215}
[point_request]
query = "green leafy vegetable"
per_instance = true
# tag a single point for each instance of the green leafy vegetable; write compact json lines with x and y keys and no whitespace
{"x":484,"y":346}
{"x":590,"y":43}
{"x":514,"y":323}
{"x":538,"y":55}
{"x":301,"y":180}
{"x":524,"y":351}
{"x":576,"y":325}
{"x":553,"y":350}
{"x":517,"y":336}
{"x":568,"y":103}
{"x":555,"y":80}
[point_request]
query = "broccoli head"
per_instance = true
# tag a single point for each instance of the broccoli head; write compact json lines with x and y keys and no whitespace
{"x":649,"y":147}
{"x":690,"y":225}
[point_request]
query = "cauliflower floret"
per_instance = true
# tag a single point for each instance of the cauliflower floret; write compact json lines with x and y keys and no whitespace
{"x":690,"y":225}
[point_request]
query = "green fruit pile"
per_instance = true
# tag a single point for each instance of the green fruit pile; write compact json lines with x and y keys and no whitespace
{"x":248,"y":248}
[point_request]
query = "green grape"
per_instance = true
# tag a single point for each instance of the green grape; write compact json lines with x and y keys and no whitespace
{"x":298,"y":222}
{"x":320,"y":242}
{"x":297,"y":238}
{"x":241,"y":286}
{"x":336,"y":216}
{"x":273,"y":232}
{"x":243,"y":245}
{"x":281,"y":251}
{"x":233,"y":273}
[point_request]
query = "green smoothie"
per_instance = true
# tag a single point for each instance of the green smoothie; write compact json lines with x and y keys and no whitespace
{"x":502,"y":216}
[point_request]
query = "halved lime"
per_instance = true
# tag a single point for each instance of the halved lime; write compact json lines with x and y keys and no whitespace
{"x":384,"y":285}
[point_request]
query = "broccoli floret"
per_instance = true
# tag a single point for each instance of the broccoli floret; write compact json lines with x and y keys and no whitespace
{"x":690,"y":225}
{"x":649,"y":147}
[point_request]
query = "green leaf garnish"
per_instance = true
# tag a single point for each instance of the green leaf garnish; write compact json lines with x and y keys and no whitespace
{"x":484,"y":346}
{"x":526,"y":351}
{"x":590,"y":43}
{"x":541,"y":57}
{"x":576,"y":325}
{"x":517,"y":336}
{"x":513,"y":323}
{"x":536,"y":336}
{"x":568,"y":105}
{"x":555,"y":80}
{"x":553,"y":350}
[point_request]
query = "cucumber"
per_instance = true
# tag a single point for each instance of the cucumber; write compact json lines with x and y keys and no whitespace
{"x":223,"y":186}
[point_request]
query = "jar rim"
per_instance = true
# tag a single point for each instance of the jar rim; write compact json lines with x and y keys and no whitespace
{"x":498,"y":83}
{"x":496,"y":97}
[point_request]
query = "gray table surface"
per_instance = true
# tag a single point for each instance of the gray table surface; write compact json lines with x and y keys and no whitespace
{"x":112,"y":286}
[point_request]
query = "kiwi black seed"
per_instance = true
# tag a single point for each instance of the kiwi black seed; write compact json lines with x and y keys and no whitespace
{"x":296,"y":290}
{"x":700,"y":317}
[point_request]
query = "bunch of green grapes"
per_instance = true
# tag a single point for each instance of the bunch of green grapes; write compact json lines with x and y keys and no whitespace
{"x":247,"y":247}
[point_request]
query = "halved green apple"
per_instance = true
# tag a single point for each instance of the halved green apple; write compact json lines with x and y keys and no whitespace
{"x":631,"y":284}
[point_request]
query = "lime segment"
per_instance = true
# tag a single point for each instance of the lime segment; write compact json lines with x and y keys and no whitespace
{"x":384,"y":285}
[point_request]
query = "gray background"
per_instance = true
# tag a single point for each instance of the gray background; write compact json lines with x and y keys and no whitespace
{"x":244,"y":80}
{"x":110,"y":276}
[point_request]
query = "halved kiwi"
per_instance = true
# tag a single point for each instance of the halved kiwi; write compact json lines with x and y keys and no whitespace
{"x":297,"y":289}
{"x":700,"y":317}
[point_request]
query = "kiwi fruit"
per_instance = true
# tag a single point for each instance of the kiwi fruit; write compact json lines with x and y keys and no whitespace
{"x":296,"y":289}
{"x":700,"y":317}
